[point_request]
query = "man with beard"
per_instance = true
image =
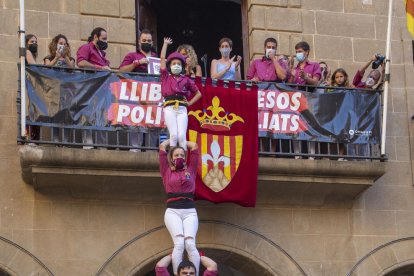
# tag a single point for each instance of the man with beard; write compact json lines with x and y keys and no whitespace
{"x":138,"y":62}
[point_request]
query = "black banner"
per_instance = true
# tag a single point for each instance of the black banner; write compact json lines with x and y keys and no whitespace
{"x":109,"y":99}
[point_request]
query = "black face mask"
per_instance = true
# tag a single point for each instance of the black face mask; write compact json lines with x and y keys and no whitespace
{"x":33,"y":48}
{"x":146,"y":47}
{"x":102,"y":45}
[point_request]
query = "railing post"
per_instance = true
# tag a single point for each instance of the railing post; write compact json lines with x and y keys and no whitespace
{"x":22,"y":53}
{"x":387,"y":80}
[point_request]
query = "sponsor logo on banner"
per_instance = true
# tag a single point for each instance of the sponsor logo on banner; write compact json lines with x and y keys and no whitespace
{"x":357,"y":132}
{"x":220,"y":154}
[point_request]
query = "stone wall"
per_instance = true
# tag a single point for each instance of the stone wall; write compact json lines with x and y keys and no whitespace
{"x":74,"y":234}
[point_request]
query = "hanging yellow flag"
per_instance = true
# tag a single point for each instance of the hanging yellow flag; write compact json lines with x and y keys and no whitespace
{"x":409,"y":7}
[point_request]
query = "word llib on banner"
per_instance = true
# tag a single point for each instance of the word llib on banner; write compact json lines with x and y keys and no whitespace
{"x":136,"y":104}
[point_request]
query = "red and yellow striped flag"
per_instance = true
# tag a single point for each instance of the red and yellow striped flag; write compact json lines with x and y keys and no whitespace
{"x":409,"y":7}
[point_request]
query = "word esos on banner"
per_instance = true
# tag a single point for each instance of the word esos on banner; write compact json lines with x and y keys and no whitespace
{"x":280,"y":111}
{"x":136,"y":104}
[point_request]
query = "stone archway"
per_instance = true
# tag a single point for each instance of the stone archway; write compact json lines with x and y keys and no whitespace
{"x":387,"y":259}
{"x":402,"y":269}
{"x":15,"y":260}
{"x":138,"y":255}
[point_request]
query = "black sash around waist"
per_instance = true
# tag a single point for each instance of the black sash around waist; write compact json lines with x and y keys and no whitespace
{"x":180,"y":200}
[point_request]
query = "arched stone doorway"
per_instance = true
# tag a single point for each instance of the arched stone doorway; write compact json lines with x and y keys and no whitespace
{"x":4,"y":272}
{"x":405,"y":270}
{"x":15,"y":260}
{"x":229,"y":264}
{"x":394,"y":258}
{"x":237,"y":249}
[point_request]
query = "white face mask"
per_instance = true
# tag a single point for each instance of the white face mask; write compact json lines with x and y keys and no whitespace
{"x":225,"y":52}
{"x":270,"y":51}
{"x":300,"y":57}
{"x":176,"y":69}
{"x":370,"y":82}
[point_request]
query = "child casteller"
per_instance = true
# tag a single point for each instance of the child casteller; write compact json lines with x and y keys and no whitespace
{"x":176,"y":87}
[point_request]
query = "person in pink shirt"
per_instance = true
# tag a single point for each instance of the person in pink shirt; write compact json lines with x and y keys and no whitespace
{"x":92,"y":54}
{"x":186,"y":268}
{"x":180,"y":218}
{"x":270,"y":67}
{"x":373,"y":78}
{"x":176,"y":87}
{"x":138,"y":61}
{"x":306,"y":72}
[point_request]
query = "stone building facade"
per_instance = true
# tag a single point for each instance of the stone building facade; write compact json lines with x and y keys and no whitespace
{"x":54,"y":226}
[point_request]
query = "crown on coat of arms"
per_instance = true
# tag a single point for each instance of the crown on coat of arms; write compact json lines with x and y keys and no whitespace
{"x":215,"y":121}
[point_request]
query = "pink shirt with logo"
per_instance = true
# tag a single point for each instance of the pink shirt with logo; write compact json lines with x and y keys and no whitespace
{"x":179,"y":181}
{"x":176,"y":85}
{"x":162,"y":271}
{"x":311,"y":68}
{"x":92,"y":55}
{"x":130,"y":57}
{"x":265,"y":70}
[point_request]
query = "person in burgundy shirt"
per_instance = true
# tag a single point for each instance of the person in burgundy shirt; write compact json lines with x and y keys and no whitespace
{"x":92,"y":54}
{"x":306,"y":72}
{"x":180,"y":218}
{"x":176,"y":87}
{"x":186,"y":268}
{"x":373,"y":77}
{"x":270,"y":67}
{"x":138,"y":61}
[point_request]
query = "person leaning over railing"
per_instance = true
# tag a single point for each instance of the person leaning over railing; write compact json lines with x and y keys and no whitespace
{"x":92,"y":55}
{"x":306,"y":72}
{"x":59,"y":55}
{"x":373,"y":81}
{"x":226,"y":68}
{"x":138,"y":62}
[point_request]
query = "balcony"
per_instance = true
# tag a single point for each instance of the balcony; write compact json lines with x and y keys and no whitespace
{"x":311,"y":176}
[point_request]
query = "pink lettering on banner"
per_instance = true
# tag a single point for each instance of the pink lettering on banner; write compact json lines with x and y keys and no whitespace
{"x":136,"y":104}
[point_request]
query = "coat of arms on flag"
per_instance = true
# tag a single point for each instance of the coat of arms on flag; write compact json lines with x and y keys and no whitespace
{"x":221,"y":124}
